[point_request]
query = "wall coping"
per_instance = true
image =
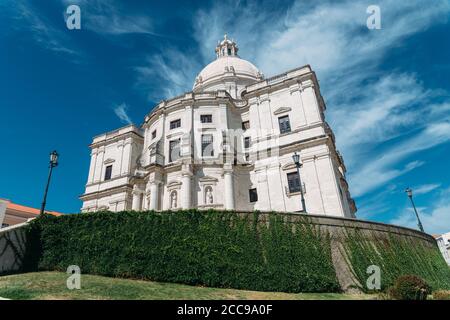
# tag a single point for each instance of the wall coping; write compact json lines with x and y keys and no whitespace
{"x":353,"y":223}
{"x":15,"y":226}
{"x":324,"y":220}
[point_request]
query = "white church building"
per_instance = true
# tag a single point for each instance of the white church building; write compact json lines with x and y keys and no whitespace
{"x":227,"y":144}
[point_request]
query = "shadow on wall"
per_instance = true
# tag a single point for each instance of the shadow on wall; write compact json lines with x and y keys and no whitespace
{"x":20,"y":248}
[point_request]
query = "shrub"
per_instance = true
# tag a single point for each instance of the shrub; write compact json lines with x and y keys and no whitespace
{"x":441,"y":295}
{"x":212,"y":248}
{"x":410,"y":287}
{"x":396,"y":256}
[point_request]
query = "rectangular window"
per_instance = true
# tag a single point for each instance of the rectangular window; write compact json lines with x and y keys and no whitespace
{"x":207,"y":145}
{"x":175,"y":124}
{"x":285,"y":126}
{"x":253,"y":195}
{"x":247,"y":157}
{"x":108,"y":172}
{"x":293,"y":182}
{"x":245,"y":125}
{"x":154,"y":134}
{"x":174,"y":150}
{"x":206,"y":118}
{"x":247,"y":142}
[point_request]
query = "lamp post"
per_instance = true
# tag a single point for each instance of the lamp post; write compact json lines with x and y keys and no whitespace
{"x":53,"y":163}
{"x":296,"y":158}
{"x":410,"y":196}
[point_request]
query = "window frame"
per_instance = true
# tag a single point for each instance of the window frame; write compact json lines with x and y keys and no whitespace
{"x":175,"y":124}
{"x":244,"y":123}
{"x":284,"y":126}
{"x":293,"y":188}
{"x":171,"y":142}
{"x":204,"y":146}
{"x":208,"y":116}
{"x":108,"y":173}
{"x":254,"y":192}
{"x":247,"y":142}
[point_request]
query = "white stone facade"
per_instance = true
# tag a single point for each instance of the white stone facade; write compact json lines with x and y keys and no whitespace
{"x":250,"y":128}
{"x":443,"y":242}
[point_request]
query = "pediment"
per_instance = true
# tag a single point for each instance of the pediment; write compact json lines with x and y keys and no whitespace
{"x":208,"y":179}
{"x":282,"y":110}
{"x":174,"y":184}
{"x":109,"y":160}
{"x":289,"y":166}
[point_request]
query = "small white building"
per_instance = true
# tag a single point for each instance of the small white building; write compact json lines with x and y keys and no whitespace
{"x":227,"y":144}
{"x":443,"y":242}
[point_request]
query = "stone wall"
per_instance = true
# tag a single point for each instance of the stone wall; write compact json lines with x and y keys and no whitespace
{"x":12,"y":241}
{"x":338,"y":228}
{"x":12,"y":248}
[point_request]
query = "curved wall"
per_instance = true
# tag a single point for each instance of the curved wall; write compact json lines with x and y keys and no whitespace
{"x":338,"y":229}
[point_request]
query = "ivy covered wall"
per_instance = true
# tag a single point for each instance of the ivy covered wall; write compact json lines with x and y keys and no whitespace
{"x":255,"y":251}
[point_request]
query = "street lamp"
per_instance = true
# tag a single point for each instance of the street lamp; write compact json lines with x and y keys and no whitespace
{"x":53,"y":163}
{"x":410,"y":196}
{"x":296,"y":158}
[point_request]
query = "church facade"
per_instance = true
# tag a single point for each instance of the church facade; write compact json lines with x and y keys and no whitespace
{"x":227,"y":144}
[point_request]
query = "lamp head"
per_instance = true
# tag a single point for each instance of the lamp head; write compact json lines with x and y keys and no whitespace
{"x":296,"y":158}
{"x":408,"y":192}
{"x":54,"y":158}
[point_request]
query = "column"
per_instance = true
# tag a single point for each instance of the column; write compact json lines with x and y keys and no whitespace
{"x":136,"y":203}
{"x":186,"y":184}
{"x":229,"y":190}
{"x":296,"y":99}
{"x":146,"y":196}
{"x":186,"y":140}
{"x":92,"y":166}
{"x":310,"y":101}
{"x":154,"y":195}
{"x":99,"y":165}
{"x":126,"y":157}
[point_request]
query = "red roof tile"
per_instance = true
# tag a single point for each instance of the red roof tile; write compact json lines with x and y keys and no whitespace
{"x":25,"y":209}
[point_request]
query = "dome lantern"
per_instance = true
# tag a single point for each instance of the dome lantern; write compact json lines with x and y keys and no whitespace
{"x":226,"y":48}
{"x":227,"y":72}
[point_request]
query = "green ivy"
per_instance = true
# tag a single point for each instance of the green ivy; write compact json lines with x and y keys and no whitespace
{"x":396,"y":256}
{"x":211,"y":248}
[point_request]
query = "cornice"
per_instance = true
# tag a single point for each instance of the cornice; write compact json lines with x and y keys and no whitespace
{"x":110,"y":180}
{"x":194,"y":99}
{"x":282,"y":80}
{"x":107,"y":192}
{"x":124,"y":136}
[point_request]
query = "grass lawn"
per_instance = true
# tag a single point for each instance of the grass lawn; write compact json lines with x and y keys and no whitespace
{"x":52,"y":285}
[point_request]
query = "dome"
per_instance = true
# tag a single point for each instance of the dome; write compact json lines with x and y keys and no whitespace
{"x":227,"y":65}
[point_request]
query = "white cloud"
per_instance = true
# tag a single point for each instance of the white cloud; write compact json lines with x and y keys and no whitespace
{"x":107,"y":17}
{"x":42,"y":29}
{"x":366,"y":107}
{"x":329,"y":35}
{"x":426,"y":188}
{"x":167,"y":74}
{"x":382,"y":169}
{"x":121,"y":112}
{"x":435,"y":220}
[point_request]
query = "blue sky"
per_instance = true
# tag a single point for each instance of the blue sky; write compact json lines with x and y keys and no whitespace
{"x":387,"y":91}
